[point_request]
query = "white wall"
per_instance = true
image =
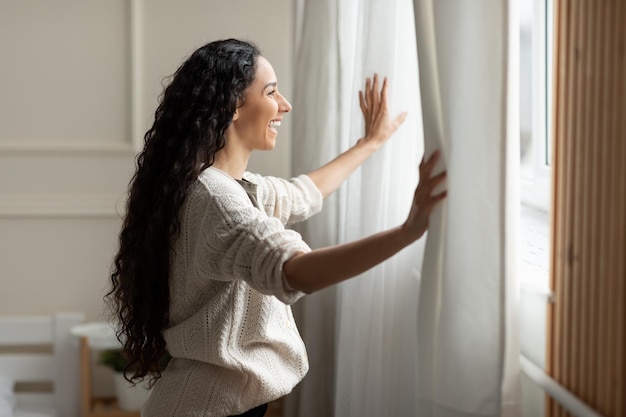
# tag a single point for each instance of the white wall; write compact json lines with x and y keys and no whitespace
{"x":68,"y":123}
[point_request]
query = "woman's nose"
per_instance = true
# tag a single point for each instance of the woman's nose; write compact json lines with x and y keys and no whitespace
{"x":284,"y":106}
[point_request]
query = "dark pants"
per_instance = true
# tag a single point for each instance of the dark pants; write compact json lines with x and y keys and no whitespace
{"x":255,"y":412}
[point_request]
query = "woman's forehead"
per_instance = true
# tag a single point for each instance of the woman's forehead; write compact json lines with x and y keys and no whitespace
{"x":264,"y":71}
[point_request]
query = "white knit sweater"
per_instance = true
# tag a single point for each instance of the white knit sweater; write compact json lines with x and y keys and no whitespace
{"x":232,"y":334}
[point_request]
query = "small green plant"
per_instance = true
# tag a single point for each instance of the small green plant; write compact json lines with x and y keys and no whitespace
{"x":115,"y":359}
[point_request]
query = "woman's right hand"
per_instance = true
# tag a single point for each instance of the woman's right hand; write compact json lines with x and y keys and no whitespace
{"x":379,"y":126}
{"x":423,"y":200}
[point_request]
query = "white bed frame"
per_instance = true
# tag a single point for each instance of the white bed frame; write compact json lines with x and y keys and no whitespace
{"x":40,"y":349}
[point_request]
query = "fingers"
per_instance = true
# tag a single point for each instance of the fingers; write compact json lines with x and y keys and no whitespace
{"x":426,"y":167}
{"x":383,"y":93}
{"x":373,"y":101}
{"x":437,"y":198}
{"x":375,"y":88}
{"x":371,"y":95}
{"x":425,"y":201}
{"x":362,"y":102}
{"x":368,"y":93}
{"x":438,"y":179}
{"x":428,"y":183}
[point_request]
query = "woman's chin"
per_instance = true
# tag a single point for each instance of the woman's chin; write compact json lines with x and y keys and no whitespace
{"x":270,"y":144}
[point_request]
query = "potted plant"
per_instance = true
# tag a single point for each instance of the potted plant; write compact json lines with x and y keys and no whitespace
{"x":129,"y":396}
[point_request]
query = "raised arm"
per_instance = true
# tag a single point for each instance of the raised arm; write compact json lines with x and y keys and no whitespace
{"x":378,"y":128}
{"x":312,"y":271}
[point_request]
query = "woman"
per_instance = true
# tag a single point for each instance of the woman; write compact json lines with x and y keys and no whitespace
{"x":206,"y":269}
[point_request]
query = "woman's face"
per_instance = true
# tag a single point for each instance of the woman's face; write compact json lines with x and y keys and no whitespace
{"x":255,"y":123}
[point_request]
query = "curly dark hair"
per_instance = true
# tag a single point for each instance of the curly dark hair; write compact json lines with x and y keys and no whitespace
{"x":194,"y":112}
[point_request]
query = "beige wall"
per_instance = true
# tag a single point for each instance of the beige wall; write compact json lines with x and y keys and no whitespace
{"x":79,"y":82}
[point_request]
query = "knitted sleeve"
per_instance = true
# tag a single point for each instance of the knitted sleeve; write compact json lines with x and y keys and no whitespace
{"x":290,"y":201}
{"x":238,"y":241}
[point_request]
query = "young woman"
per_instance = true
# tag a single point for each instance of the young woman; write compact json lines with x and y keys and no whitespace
{"x":207,"y":268}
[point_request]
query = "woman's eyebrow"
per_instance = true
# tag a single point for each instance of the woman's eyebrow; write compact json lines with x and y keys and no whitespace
{"x":271,"y":84}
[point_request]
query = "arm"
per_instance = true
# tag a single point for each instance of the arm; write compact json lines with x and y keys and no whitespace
{"x":321,"y":268}
{"x":378,"y":128}
{"x":312,"y":271}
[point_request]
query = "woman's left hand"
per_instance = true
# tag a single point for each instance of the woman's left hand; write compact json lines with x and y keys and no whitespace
{"x":378,"y":124}
{"x":378,"y":128}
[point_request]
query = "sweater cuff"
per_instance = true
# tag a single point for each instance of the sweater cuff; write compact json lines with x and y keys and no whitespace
{"x":287,"y":294}
{"x":314,"y":194}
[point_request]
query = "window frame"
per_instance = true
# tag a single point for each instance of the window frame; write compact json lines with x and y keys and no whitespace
{"x":536,"y":182}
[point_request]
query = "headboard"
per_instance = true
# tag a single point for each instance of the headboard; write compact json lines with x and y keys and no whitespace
{"x":41,"y":356}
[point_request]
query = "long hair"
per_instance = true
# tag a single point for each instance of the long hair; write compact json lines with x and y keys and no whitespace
{"x":194,"y":112}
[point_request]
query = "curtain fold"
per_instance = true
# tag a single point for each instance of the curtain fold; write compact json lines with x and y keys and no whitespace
{"x":467,"y":355}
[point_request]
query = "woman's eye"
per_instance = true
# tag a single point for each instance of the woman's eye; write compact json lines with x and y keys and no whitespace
{"x":271,"y":93}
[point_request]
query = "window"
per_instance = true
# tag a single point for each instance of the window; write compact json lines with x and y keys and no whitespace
{"x":535,"y":144}
{"x":535,"y":17}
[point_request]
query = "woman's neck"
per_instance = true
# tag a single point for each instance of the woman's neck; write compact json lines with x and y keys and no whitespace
{"x":232,"y":163}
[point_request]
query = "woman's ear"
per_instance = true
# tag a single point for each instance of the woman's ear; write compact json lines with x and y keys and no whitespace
{"x":236,"y":114}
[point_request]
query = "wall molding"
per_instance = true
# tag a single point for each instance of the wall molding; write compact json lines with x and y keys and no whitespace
{"x":41,"y":146}
{"x":131,"y":144}
{"x":102,"y":205}
{"x":136,"y":71}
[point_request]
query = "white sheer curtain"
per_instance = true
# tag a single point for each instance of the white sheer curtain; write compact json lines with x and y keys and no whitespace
{"x":376,"y":340}
{"x":371,"y":353}
{"x":340,"y":43}
{"x":468,"y":353}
